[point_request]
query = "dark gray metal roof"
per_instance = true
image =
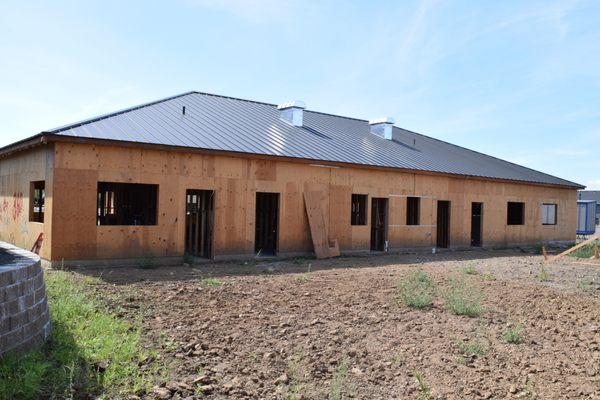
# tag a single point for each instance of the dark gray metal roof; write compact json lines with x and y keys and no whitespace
{"x":229,"y":124}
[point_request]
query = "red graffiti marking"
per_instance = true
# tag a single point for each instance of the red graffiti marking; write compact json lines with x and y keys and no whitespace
{"x":17,"y":206}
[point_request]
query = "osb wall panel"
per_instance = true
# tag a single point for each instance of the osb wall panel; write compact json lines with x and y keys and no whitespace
{"x":16,"y":174}
{"x":235,"y":180}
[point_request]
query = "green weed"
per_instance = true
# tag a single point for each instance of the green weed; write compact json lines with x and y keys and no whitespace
{"x":472,"y":347}
{"x":148,"y":263}
{"x":463,"y":299}
{"x":296,"y":388}
{"x":188,"y":259}
{"x":423,"y":387}
{"x":210,"y":282}
{"x":584,"y":252}
{"x":488,"y":276}
{"x":338,"y":384}
{"x":512,"y":333}
{"x":303,"y":278}
{"x":470,"y":270}
{"x":588,"y":283}
{"x":543,"y":275}
{"x":417,"y":290}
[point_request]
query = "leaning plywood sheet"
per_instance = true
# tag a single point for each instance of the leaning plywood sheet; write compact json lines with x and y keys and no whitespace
{"x":324,"y":248}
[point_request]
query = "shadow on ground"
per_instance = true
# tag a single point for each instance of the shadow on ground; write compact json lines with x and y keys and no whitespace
{"x":126,"y":275}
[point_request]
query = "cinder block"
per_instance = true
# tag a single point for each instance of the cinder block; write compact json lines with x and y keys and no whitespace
{"x":11,"y":339}
{"x":39,"y":294}
{"x":6,"y":278}
{"x":28,"y":300}
{"x":38,"y":280}
{"x":28,"y":286}
{"x":4,"y":325}
{"x":13,"y":307}
{"x":18,"y":320}
{"x":13,"y":291}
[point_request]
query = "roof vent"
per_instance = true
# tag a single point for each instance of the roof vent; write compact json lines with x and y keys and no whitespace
{"x":291,"y":112}
{"x":382,"y":127}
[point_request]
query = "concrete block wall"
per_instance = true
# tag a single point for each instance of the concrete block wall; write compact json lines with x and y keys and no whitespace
{"x":24,"y":315}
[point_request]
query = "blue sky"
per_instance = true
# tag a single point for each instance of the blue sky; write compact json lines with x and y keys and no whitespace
{"x":517,"y":80}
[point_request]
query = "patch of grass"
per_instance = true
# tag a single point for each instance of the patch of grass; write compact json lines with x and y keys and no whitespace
{"x":463,"y":299}
{"x":543,"y":275}
{"x":423,"y":387}
{"x":303,"y":278}
{"x":303,"y":261}
{"x":90,"y":351}
{"x":417,"y":290}
{"x":210,"y":281}
{"x":588,"y":283}
{"x":584,"y":252}
{"x":474,"y":347}
{"x":338,"y":383}
{"x":188,"y":259}
{"x":296,"y":388}
{"x":512,"y":333}
{"x":397,"y":360}
{"x":527,"y":389}
{"x":148,"y":263}
{"x":249,"y":263}
{"x":488,"y":276}
{"x":470,"y":270}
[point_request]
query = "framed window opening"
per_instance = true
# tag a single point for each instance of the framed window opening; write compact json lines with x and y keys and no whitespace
{"x":126,"y":204}
{"x":549,"y":211}
{"x":413,"y":205}
{"x":37,"y":205}
{"x":515,"y":213}
{"x":358,"y":215}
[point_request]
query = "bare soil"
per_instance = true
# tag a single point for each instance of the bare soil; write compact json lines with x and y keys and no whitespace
{"x":273,"y":330}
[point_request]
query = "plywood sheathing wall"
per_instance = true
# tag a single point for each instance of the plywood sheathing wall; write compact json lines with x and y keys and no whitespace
{"x":16,"y":174}
{"x":78,"y":168}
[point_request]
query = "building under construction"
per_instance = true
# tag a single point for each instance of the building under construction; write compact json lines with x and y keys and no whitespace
{"x":220,"y":177}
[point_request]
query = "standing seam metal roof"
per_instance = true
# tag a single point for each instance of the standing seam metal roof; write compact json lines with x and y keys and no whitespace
{"x":216,"y":122}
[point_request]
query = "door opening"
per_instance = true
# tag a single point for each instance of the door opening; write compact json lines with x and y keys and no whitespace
{"x":443,"y":224}
{"x":199,"y":214}
{"x":476,"y":224}
{"x":379,"y":209}
{"x":267,"y":221}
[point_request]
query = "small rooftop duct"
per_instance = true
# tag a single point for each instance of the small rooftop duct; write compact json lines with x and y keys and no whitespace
{"x":291,"y":112}
{"x":382,"y":127}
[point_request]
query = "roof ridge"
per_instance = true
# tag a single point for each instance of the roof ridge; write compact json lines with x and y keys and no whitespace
{"x":275,"y":105}
{"x":143,"y":105}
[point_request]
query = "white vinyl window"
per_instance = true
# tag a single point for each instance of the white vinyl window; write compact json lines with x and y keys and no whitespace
{"x":548,"y":214}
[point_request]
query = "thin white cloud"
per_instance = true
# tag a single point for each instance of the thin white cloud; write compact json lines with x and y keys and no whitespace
{"x":592,"y":184}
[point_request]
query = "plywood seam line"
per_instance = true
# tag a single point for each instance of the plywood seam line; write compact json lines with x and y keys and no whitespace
{"x":412,"y":226}
{"x":413,"y":195}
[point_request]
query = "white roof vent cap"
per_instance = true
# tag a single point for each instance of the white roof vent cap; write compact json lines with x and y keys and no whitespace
{"x":292,"y":112}
{"x":382,"y":127}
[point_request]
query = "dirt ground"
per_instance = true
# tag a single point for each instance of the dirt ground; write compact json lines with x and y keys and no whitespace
{"x":272,"y":330}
